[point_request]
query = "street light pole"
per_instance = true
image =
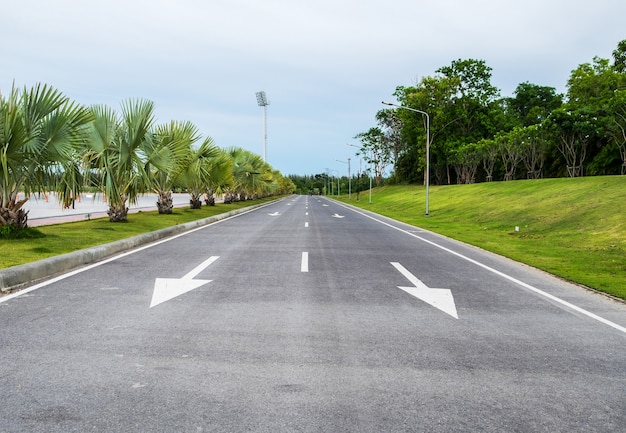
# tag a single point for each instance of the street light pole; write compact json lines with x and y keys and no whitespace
{"x":370,"y":171}
{"x":349,"y":179}
{"x":328,"y":182}
{"x":338,"y":187}
{"x":427,"y":174}
{"x":263,"y":102}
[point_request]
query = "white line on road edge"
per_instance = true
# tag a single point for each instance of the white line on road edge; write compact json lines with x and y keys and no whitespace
{"x":304,"y":265}
{"x":501,"y":274}
{"x":119,"y":256}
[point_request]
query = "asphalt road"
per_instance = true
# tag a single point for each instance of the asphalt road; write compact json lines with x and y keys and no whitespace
{"x":308,"y":316}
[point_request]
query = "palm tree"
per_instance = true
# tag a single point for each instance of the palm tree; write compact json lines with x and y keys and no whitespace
{"x":221,"y":176}
{"x":40,"y":130}
{"x":281,"y":184}
{"x":119,"y":151}
{"x":205,"y":169}
{"x":171,"y":152}
{"x":249,"y":172}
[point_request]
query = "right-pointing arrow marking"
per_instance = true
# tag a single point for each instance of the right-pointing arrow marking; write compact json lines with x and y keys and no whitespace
{"x":439,"y":298}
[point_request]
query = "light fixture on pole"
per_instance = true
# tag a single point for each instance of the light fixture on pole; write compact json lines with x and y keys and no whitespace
{"x":427,"y":174}
{"x":261,"y":99}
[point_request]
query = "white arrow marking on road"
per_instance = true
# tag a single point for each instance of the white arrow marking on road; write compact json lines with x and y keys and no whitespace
{"x":273,"y":214}
{"x":337,"y":216}
{"x":169,"y":288}
{"x":325,"y":205}
{"x":438,"y":298}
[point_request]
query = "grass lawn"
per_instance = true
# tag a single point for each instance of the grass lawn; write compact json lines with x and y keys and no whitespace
{"x":572,"y":228}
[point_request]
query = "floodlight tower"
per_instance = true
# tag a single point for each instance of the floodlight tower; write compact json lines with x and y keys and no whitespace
{"x":261,"y":99}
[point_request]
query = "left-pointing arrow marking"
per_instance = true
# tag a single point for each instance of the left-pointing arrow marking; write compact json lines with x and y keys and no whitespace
{"x":169,"y":288}
{"x":438,"y":298}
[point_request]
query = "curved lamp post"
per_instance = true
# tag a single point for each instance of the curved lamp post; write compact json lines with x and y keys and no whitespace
{"x":427,"y":174}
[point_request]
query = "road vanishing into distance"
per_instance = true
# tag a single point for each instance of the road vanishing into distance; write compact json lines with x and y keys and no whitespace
{"x":305,"y":315}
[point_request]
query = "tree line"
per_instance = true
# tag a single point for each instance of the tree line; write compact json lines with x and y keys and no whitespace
{"x":50,"y":143}
{"x":477,"y":136}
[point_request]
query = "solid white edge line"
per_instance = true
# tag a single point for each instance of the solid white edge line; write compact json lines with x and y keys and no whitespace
{"x":499,"y":273}
{"x":304,"y":264}
{"x":119,"y":256}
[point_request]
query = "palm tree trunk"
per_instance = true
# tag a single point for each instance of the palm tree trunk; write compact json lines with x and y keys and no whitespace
{"x":17,"y":219}
{"x":13,"y":214}
{"x":165,"y":203}
{"x":195,"y":202}
{"x":210,"y":199}
{"x":117,"y":213}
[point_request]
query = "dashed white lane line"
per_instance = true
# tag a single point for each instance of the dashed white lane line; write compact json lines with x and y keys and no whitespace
{"x":306,"y":224}
{"x":304,"y":265}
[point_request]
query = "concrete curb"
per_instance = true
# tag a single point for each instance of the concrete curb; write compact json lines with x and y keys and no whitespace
{"x":15,"y":276}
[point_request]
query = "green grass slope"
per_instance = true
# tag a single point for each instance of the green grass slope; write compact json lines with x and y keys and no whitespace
{"x":572,"y":228}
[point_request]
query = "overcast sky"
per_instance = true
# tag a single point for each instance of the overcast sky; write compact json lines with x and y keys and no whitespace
{"x":325,"y":65}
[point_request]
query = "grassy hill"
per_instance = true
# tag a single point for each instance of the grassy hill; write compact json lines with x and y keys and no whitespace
{"x":572,"y":228}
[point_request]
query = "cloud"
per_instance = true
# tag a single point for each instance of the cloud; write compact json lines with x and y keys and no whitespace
{"x":325,"y":65}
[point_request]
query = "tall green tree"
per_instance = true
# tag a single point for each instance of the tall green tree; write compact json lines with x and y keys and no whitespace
{"x":40,"y":130}
{"x":616,"y":125}
{"x":510,"y":149}
{"x":534,"y":146}
{"x":592,"y":84}
{"x":433,"y":95}
{"x":619,"y":57}
{"x":466,"y":159}
{"x":488,"y":150}
{"x":571,"y":131}
{"x":377,"y":150}
{"x":532,"y":104}
{"x":591,"y":88}
{"x":391,"y":126}
{"x":462,"y":105}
